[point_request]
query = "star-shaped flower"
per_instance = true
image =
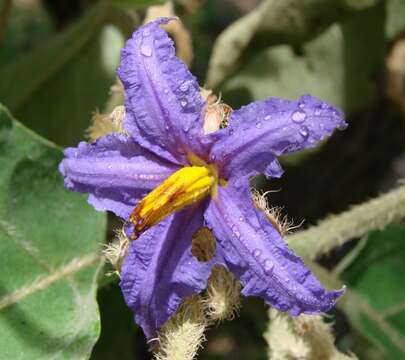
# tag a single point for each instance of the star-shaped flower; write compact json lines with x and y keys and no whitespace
{"x":196,"y":180}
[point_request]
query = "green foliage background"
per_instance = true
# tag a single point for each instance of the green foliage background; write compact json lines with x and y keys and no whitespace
{"x":57,"y":64}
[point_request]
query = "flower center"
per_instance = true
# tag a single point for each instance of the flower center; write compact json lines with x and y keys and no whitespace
{"x":185,"y":187}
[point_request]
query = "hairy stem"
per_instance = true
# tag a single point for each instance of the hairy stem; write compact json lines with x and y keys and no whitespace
{"x":360,"y":219}
{"x":274,"y":22}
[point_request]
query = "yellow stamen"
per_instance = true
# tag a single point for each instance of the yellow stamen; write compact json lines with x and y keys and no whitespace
{"x":184,"y":187}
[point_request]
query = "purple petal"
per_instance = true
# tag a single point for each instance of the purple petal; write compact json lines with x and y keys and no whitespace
{"x":257,"y":254}
{"x":115,"y":171}
{"x":262,"y":130}
{"x":159,"y":270}
{"x":162,"y":98}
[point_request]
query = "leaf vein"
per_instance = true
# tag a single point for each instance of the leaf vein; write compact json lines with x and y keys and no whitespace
{"x":25,"y":245}
{"x":42,"y":282}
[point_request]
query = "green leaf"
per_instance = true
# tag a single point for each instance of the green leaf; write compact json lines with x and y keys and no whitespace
{"x":377,"y":277}
{"x":338,"y":66}
{"x":55,"y":88}
{"x":49,"y":260}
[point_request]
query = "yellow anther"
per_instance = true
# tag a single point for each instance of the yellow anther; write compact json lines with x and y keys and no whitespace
{"x":184,"y":187}
{"x":195,"y":160}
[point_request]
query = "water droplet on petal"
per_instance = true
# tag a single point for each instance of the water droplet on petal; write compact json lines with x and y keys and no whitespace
{"x":267,"y":117}
{"x":166,"y":91}
{"x":183,"y":103}
{"x":184,"y":86}
{"x":235,"y":231}
{"x":317,"y":112}
{"x":298,"y":116}
{"x":241,"y":219}
{"x":146,"y":50}
{"x":256,"y":253}
{"x":259,"y":125}
{"x":301,"y":105}
{"x":268,"y":267}
{"x":303,"y":132}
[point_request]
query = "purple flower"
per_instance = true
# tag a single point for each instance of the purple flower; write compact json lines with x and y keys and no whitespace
{"x":196,"y":180}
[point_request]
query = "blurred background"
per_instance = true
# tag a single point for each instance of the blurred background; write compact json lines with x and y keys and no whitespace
{"x":57,"y":67}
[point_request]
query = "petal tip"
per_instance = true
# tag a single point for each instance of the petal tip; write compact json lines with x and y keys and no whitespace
{"x":159,"y":21}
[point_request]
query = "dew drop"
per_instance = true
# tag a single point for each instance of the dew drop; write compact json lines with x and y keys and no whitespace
{"x":146,"y":50}
{"x":241,"y":219}
{"x":267,"y":117}
{"x":183,"y":103}
{"x":258,"y":125}
{"x":184,"y":86}
{"x":317,"y":112}
{"x":301,"y":105}
{"x":268,"y":267}
{"x":235,"y":231}
{"x":166,"y":91}
{"x":298,"y":116}
{"x":303,"y":132}
{"x":256,"y":253}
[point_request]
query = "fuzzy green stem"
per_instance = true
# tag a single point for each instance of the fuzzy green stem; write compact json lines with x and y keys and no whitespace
{"x":274,"y":22}
{"x":304,"y":337}
{"x":359,"y":220}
